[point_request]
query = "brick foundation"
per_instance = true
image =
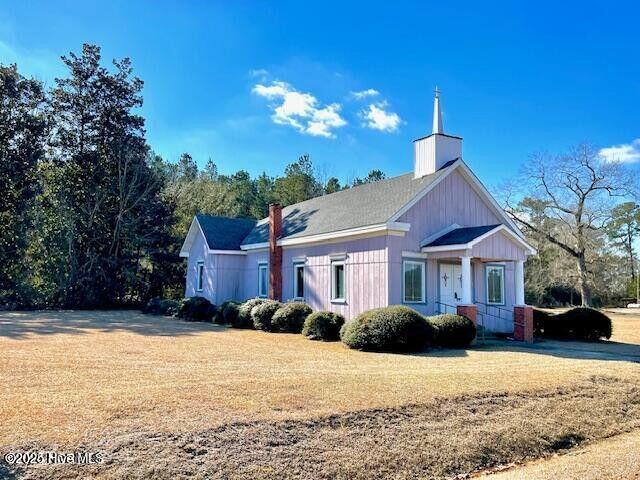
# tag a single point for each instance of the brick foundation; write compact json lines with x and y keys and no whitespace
{"x":469,"y":311}
{"x":523,"y":323}
{"x":275,"y":252}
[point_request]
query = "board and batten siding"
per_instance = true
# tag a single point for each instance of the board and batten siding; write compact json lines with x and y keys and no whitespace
{"x":199,"y":252}
{"x":250,"y":283}
{"x":498,"y":246}
{"x":223,"y":274}
{"x":452,"y":201}
{"x":365,"y":275}
{"x":229,"y":271}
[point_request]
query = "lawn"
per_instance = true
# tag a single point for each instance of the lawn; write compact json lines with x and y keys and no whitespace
{"x":203,"y":400}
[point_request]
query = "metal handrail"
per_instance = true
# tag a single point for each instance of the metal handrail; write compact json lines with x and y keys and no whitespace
{"x":497,"y":307}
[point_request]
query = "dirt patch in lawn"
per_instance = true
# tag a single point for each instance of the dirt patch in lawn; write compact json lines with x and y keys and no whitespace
{"x":437,"y":439}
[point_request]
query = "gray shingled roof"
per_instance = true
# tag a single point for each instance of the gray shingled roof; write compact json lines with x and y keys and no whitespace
{"x":460,"y":236}
{"x":223,"y":233}
{"x":368,"y":204}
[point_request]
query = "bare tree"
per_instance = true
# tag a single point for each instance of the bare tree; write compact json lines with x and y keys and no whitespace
{"x":567,"y":201}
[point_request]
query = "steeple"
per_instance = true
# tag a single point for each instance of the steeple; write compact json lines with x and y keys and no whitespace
{"x":432,"y":152}
{"x":437,"y":114}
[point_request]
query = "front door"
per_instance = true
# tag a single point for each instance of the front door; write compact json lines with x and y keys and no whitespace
{"x":450,"y":287}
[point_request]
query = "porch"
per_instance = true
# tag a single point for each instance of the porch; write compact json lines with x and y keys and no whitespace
{"x":481,"y":276}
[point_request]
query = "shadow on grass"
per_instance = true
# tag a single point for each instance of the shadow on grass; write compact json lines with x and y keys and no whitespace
{"x":603,"y":350}
{"x":19,"y":325}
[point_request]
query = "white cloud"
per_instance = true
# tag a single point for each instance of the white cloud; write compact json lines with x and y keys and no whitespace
{"x":301,"y":110}
{"x":625,"y":153}
{"x":370,"y":92}
{"x":378,"y":118}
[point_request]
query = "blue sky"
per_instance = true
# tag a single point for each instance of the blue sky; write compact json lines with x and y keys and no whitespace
{"x":516,"y":77}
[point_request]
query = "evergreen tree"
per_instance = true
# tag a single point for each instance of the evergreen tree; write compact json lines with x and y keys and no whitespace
{"x":23,"y":128}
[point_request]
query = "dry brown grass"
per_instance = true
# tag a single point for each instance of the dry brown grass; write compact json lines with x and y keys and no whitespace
{"x":611,"y":459}
{"x":436,"y":440}
{"x":70,"y":377}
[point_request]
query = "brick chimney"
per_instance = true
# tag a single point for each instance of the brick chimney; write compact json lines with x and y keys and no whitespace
{"x":275,"y":252}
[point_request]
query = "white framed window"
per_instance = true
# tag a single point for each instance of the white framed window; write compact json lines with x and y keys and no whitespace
{"x":263,"y":279}
{"x":413,"y":281}
{"x":338,"y":281}
{"x":494,"y":275}
{"x":199,"y":276}
{"x":298,"y":280}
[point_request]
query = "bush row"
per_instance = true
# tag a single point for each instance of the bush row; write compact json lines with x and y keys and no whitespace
{"x":402,"y":329}
{"x":391,"y":329}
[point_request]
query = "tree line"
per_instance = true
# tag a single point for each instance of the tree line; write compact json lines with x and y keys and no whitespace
{"x":89,"y":215}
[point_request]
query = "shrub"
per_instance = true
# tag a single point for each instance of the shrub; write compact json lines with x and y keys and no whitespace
{"x":243,"y":320}
{"x":261,"y":314}
{"x":388,"y":329}
{"x":580,"y":323}
{"x":453,"y":331}
{"x":539,"y":319}
{"x":197,"y":309}
{"x":229,"y":310}
{"x":160,"y":306}
{"x":323,"y":326}
{"x":290,"y":317}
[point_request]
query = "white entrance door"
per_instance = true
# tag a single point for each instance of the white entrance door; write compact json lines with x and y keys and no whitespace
{"x":450,"y":287}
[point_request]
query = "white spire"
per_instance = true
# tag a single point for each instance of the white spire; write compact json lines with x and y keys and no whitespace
{"x":437,"y":114}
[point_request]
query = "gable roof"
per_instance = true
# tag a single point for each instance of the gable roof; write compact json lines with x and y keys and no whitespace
{"x":220,"y":233}
{"x":369,"y":204}
{"x":460,"y":236}
{"x":463,"y":238}
{"x":224,"y":233}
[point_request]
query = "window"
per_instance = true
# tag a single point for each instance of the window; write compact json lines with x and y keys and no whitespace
{"x":495,"y":284}
{"x":298,"y":280}
{"x":413,"y":281}
{"x":199,"y":276}
{"x":338,"y":290}
{"x":263,"y":280}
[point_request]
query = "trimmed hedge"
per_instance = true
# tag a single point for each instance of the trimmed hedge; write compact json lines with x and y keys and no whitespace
{"x":160,"y":306}
{"x":197,"y":309}
{"x":323,"y":326}
{"x":290,"y":317}
{"x":539,"y":320}
{"x":243,"y":319}
{"x":261,"y":314}
{"x":579,"y":323}
{"x":389,"y":329}
{"x":453,"y":331}
{"x":229,"y":310}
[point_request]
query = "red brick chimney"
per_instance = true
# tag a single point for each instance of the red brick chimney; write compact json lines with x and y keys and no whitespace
{"x":275,"y":252}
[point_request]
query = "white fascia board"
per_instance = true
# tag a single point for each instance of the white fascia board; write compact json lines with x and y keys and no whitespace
{"x":227,"y":252}
{"x":445,"y":248}
{"x":188,"y":240}
{"x":255,"y":246}
{"x":381,"y":229}
{"x":422,"y":193}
